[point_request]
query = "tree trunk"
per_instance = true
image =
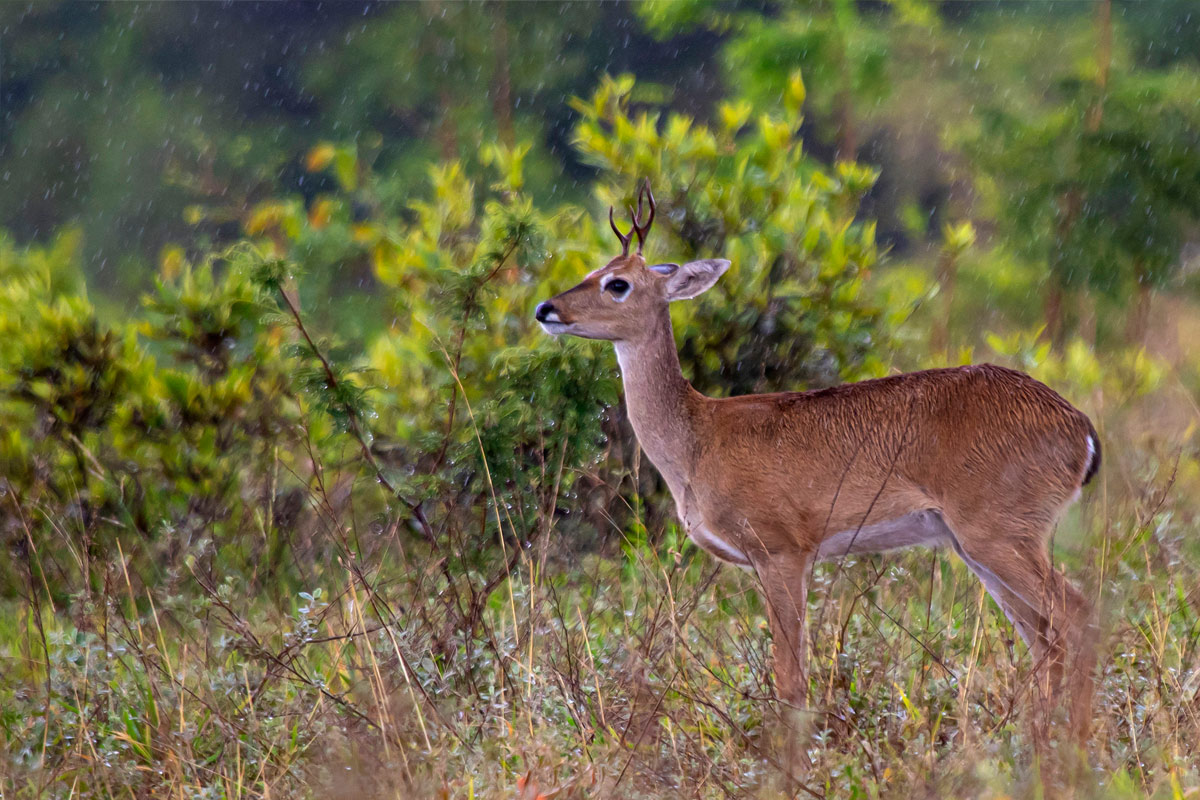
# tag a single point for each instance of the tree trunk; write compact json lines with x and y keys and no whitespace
{"x":1103,"y":63}
{"x":446,"y":135}
{"x":847,"y":144}
{"x":1138,"y":323}
{"x":1072,"y":201}
{"x":1086,"y":309}
{"x":444,"y":129}
{"x":1054,"y":331}
{"x":947,"y":279}
{"x":501,"y":78}
{"x":1069,"y":204}
{"x":847,"y":130}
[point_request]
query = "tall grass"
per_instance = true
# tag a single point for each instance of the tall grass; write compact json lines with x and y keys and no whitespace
{"x":637,"y":669}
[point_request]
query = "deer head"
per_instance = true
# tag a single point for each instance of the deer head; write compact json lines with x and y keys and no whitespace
{"x":619,"y":301}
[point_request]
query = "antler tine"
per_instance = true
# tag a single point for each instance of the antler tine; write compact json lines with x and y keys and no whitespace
{"x":624,"y":237}
{"x":643,"y":230}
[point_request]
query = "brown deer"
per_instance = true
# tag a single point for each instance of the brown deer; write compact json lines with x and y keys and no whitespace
{"x":982,"y":459}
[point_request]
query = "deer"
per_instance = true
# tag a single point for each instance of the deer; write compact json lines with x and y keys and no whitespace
{"x":980,"y":459}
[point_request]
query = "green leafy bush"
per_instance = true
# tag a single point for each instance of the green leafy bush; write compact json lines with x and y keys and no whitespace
{"x":792,"y":313}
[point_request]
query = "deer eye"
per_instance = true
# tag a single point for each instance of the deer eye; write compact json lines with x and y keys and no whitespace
{"x":618,"y":286}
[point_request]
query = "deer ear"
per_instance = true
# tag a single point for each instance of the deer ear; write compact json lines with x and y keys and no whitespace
{"x":695,"y":277}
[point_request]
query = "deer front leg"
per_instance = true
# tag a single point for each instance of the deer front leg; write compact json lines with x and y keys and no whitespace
{"x":784,"y":580}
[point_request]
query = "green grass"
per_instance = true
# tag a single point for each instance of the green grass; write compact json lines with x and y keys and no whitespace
{"x":638,"y":673}
{"x":298,"y":629}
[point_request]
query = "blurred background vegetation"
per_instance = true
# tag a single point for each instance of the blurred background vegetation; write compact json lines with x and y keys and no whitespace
{"x":293,"y":495}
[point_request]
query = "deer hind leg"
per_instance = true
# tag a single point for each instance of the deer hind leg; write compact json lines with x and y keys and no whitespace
{"x":1050,"y":614}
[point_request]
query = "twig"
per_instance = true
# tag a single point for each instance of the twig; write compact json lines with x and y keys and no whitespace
{"x":355,"y":426}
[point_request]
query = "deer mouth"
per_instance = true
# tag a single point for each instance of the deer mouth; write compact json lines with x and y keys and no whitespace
{"x":549,"y":318}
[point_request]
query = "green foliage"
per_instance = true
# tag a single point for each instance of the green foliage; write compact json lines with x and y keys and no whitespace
{"x":547,"y":418}
{"x":792,"y":312}
{"x":1103,"y":207}
{"x":108,"y":442}
{"x":466,"y":420}
{"x":839,"y":50}
{"x":846,"y":52}
{"x":327,"y":512}
{"x":135,"y":123}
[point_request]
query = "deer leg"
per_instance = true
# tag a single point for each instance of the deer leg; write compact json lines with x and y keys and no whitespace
{"x":1050,"y":614}
{"x":785,"y":590}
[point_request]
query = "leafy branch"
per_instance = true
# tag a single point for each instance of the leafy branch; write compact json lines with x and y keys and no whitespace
{"x":340,"y":396}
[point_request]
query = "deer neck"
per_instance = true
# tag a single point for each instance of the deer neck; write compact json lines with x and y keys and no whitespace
{"x":662,"y":404}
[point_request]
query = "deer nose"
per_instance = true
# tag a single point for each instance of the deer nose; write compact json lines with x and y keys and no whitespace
{"x":545,"y":312}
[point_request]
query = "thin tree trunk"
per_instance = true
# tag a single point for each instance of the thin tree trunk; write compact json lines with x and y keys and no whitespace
{"x":1055,"y":331}
{"x":444,"y":128}
{"x":1054,"y":312}
{"x":1087,"y":317}
{"x":847,"y":144}
{"x":1103,"y":62}
{"x":501,"y":78}
{"x":1071,"y":200}
{"x":1095,"y":116}
{"x":1138,"y":322}
{"x":948,"y":280}
{"x":446,"y":135}
{"x":844,"y":19}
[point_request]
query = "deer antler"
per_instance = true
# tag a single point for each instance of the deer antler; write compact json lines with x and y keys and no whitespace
{"x":642,"y":230}
{"x":624,"y":237}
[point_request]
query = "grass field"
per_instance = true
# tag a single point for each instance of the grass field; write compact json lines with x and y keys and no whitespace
{"x":309,"y":641}
{"x":638,"y":671}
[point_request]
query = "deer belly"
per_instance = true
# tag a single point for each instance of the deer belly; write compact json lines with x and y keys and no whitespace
{"x":918,"y":528}
{"x":709,"y":541}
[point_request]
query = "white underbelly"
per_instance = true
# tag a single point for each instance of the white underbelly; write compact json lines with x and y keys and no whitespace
{"x":918,"y":528}
{"x":707,"y":540}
